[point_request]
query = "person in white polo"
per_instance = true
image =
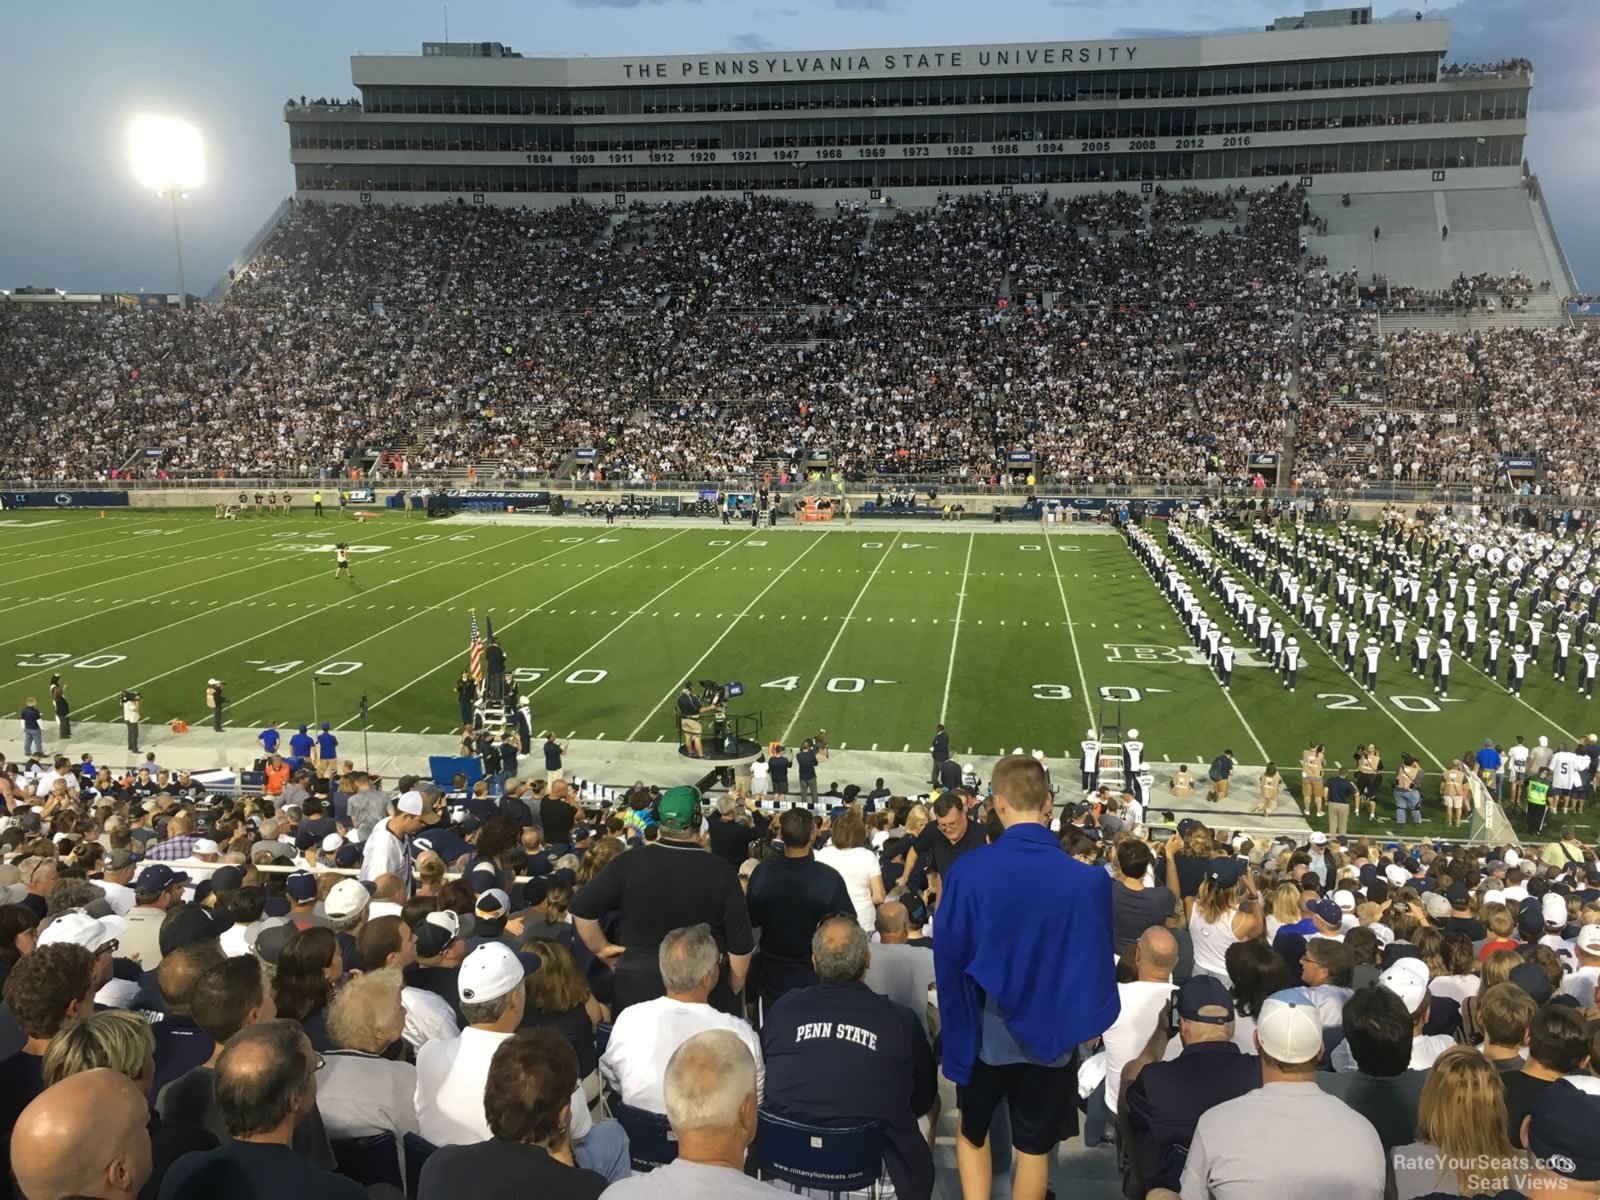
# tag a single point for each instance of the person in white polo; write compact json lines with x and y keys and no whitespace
{"x":646,"y":1035}
{"x":452,"y":1072}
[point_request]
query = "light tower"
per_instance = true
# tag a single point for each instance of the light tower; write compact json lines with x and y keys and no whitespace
{"x":168,"y":158}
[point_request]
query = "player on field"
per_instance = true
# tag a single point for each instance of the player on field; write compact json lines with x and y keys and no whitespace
{"x":272,"y":503}
{"x":342,"y":551}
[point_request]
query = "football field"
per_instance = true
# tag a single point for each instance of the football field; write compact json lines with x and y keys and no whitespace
{"x":874,"y":633}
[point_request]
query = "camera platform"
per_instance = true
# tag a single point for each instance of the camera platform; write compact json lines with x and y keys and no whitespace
{"x":739,"y":738}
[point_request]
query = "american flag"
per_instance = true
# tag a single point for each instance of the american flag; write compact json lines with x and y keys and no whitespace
{"x":475,"y":652}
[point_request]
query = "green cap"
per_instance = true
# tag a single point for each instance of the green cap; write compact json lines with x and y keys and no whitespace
{"x":679,"y":808}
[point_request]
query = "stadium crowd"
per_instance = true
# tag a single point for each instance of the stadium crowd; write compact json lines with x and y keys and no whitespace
{"x":465,"y":994}
{"x":712,"y":338}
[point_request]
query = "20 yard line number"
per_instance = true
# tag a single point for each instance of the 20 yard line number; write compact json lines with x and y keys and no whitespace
{"x":1347,"y":702}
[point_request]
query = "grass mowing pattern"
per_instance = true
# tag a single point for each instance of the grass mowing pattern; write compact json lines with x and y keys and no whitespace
{"x":605,"y":623}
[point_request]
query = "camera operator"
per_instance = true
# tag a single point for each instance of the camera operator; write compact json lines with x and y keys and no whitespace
{"x":214,"y":701}
{"x":689,"y":710}
{"x":130,"y":717}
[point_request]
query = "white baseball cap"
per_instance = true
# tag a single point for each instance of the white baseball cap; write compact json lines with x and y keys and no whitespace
{"x":1408,"y":979}
{"x":409,"y":803}
{"x":331,"y":843}
{"x":1382,"y":932}
{"x":1345,"y":900}
{"x":348,"y":897}
{"x":1513,"y":859}
{"x":493,"y":970}
{"x":1555,"y":909}
{"x":1319,"y":838}
{"x":1588,"y":939}
{"x":1289,"y":1028}
{"x":206,"y":846}
{"x":76,"y":927}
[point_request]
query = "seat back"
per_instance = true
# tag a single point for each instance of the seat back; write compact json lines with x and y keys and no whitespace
{"x":602,"y":1038}
{"x":417,"y":1151}
{"x":368,"y":1160}
{"x":819,"y":1157}
{"x":651,"y":1142}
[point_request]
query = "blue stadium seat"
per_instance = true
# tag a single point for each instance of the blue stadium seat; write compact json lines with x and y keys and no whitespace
{"x":417,"y":1151}
{"x":819,"y":1157}
{"x":651,"y":1142}
{"x":368,"y":1160}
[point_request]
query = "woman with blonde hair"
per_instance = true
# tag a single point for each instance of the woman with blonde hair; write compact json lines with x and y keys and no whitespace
{"x":114,"y":1039}
{"x":1286,"y":911}
{"x":430,"y":873}
{"x":598,"y":855}
{"x":1226,"y":910}
{"x":1462,"y":1148}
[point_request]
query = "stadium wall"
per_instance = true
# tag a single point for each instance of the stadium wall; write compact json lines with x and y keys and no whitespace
{"x":977,"y":505}
{"x":1362,"y":183}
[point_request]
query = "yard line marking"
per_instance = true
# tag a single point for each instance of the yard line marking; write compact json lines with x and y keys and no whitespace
{"x":1061,"y":590}
{"x":185,"y":586}
{"x":529,"y":612}
{"x":690,"y":673}
{"x":834,"y":645}
{"x":232,"y":533}
{"x":298,"y":582}
{"x":955,"y":638}
{"x":94,"y":530}
{"x":1268,"y":598}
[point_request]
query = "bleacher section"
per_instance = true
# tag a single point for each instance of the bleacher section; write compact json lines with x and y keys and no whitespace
{"x":1492,"y":232}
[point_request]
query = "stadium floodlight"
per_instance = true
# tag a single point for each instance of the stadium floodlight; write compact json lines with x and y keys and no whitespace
{"x":168,"y":157}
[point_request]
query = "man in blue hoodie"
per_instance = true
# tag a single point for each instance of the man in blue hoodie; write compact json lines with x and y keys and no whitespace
{"x":1026,"y":970}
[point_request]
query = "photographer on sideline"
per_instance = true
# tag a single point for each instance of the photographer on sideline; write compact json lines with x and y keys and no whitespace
{"x":214,"y":701}
{"x":130,"y":717}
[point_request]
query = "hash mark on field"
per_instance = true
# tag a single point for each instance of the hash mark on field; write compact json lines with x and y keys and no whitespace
{"x":601,"y":736}
{"x":874,"y":745}
{"x":425,"y":729}
{"x":904,"y":748}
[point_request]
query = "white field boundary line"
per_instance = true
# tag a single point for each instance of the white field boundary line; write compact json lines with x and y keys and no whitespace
{"x":455,"y":598}
{"x":1268,"y":598}
{"x":56,"y":597}
{"x":1061,"y":590}
{"x":256,"y":637}
{"x":955,"y":638}
{"x":689,"y":674}
{"x":545,"y":603}
{"x":822,"y":667}
{"x":147,"y":547}
{"x":251,"y":598}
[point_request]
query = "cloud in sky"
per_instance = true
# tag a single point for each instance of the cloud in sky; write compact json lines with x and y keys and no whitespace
{"x":755,"y":43}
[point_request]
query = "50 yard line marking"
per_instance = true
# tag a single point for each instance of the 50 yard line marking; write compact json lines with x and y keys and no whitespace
{"x":834,"y":645}
{"x":689,"y":674}
{"x":961,"y":600}
{"x":1061,"y":589}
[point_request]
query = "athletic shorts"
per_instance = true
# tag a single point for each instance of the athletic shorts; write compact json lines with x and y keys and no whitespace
{"x":1516,"y":771}
{"x":1043,"y":1102}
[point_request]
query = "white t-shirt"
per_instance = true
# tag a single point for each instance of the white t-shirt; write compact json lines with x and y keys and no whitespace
{"x":760,"y":775}
{"x":859,"y":866}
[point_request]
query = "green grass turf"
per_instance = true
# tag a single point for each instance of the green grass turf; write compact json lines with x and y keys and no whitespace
{"x":852,"y":630}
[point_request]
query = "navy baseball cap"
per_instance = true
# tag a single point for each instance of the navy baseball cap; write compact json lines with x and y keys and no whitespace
{"x":347,"y":856}
{"x":192,"y":926}
{"x":158,"y":877}
{"x":1201,"y":992}
{"x":1224,"y":872}
{"x":535,"y":890}
{"x":1531,"y":978}
{"x":1561,"y":1131}
{"x":1327,"y":909}
{"x":301,"y":886}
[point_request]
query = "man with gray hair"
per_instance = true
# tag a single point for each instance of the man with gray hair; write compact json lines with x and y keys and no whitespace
{"x":710,"y":1089}
{"x":840,"y":1052}
{"x":646,"y":1035}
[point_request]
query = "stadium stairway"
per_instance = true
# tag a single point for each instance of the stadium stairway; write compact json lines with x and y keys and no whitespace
{"x":1491,"y":231}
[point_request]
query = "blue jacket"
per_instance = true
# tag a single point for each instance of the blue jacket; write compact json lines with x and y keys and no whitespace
{"x":1025,"y":927}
